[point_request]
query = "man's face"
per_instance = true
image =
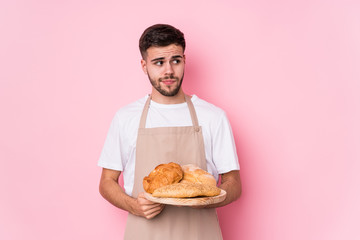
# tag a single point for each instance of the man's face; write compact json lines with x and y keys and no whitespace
{"x":165,"y":68}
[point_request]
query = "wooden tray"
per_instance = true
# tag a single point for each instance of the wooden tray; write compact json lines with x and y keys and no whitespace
{"x":197,"y":201}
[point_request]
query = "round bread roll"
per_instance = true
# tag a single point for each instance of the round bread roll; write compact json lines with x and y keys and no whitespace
{"x":162,"y":175}
{"x":194,"y":174}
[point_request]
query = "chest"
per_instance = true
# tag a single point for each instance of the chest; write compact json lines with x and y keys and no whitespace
{"x":168,"y":117}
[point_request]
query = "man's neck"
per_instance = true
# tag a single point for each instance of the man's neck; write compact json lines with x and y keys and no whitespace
{"x":159,"y":98}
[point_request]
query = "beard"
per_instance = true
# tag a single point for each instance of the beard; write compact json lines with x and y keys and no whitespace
{"x":165,"y":92}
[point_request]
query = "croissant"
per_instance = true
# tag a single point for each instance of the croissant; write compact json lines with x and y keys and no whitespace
{"x":162,"y":175}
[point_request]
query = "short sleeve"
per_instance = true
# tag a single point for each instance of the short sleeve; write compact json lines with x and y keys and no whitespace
{"x":224,"y":150}
{"x":111,"y":153}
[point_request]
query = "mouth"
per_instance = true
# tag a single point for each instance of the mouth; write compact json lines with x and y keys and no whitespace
{"x":168,"y":81}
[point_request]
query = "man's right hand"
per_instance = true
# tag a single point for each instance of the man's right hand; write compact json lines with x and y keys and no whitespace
{"x":146,"y":208}
{"x":111,"y":190}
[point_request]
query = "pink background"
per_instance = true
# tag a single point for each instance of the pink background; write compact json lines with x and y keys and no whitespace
{"x":286,"y":72}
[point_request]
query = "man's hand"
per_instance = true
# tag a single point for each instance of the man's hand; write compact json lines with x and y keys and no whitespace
{"x":146,"y":208}
{"x":113,"y":192}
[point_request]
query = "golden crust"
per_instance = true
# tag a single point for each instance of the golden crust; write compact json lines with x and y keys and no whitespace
{"x":186,"y":190}
{"x":162,"y":175}
{"x":194,"y":174}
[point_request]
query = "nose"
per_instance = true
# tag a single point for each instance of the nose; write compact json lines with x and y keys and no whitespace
{"x":169,"y":69}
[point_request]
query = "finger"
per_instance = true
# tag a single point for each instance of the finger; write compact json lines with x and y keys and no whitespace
{"x":142,"y":195}
{"x":147,"y":202}
{"x":152,"y":208}
{"x":155,"y":209}
{"x":154,"y":212}
{"x":143,"y":200}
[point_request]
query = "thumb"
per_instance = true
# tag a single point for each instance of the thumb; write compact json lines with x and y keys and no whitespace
{"x":141,"y":195}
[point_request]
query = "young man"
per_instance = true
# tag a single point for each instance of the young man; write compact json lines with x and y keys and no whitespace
{"x":167,"y":126}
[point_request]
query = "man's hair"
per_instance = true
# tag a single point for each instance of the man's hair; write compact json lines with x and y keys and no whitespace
{"x":160,"y":35}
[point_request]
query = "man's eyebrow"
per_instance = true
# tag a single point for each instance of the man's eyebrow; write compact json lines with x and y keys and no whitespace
{"x":162,"y":58}
{"x":157,"y":59}
{"x":177,"y":56}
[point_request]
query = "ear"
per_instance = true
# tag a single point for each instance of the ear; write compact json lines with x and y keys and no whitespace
{"x":184,"y":58}
{"x":143,"y":66}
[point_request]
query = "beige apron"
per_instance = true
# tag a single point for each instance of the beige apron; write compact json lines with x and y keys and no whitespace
{"x":182,"y":145}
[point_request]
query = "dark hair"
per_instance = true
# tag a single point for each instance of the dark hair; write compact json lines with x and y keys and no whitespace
{"x":160,"y":35}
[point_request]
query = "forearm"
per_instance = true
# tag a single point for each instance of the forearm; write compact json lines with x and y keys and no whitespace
{"x":233,"y":192}
{"x":114,"y":193}
{"x":230,"y":182}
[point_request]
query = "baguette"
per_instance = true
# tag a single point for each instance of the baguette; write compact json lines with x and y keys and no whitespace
{"x":186,"y":190}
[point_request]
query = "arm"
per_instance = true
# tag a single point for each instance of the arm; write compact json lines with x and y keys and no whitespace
{"x":231,"y":183}
{"x":111,"y":190}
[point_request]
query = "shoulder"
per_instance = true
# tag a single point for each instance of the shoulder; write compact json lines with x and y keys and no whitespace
{"x":206,"y":109}
{"x":131,"y":111}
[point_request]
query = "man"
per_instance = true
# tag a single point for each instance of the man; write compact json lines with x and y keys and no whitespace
{"x":167,"y":126}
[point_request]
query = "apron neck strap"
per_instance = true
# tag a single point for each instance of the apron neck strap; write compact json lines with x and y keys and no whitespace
{"x":144,"y":114}
{"x":191,"y":107}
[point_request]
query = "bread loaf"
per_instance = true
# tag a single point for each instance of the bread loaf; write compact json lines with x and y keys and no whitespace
{"x":194,"y":174}
{"x":162,"y":175}
{"x":184,"y":190}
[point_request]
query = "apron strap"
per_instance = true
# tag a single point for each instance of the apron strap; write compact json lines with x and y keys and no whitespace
{"x":144,"y":113}
{"x":191,"y":107}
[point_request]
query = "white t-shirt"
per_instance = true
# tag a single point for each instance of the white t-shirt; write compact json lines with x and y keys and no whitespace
{"x":120,"y":145}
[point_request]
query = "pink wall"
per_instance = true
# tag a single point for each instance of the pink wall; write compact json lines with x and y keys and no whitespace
{"x":286,"y":73}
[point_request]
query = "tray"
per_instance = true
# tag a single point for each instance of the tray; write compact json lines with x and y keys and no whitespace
{"x":196,"y":201}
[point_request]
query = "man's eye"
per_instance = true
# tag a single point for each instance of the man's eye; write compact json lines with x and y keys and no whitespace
{"x":176,"y":61}
{"x":159,"y":63}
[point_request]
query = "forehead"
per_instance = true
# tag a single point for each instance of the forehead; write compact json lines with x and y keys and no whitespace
{"x":164,"y":52}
